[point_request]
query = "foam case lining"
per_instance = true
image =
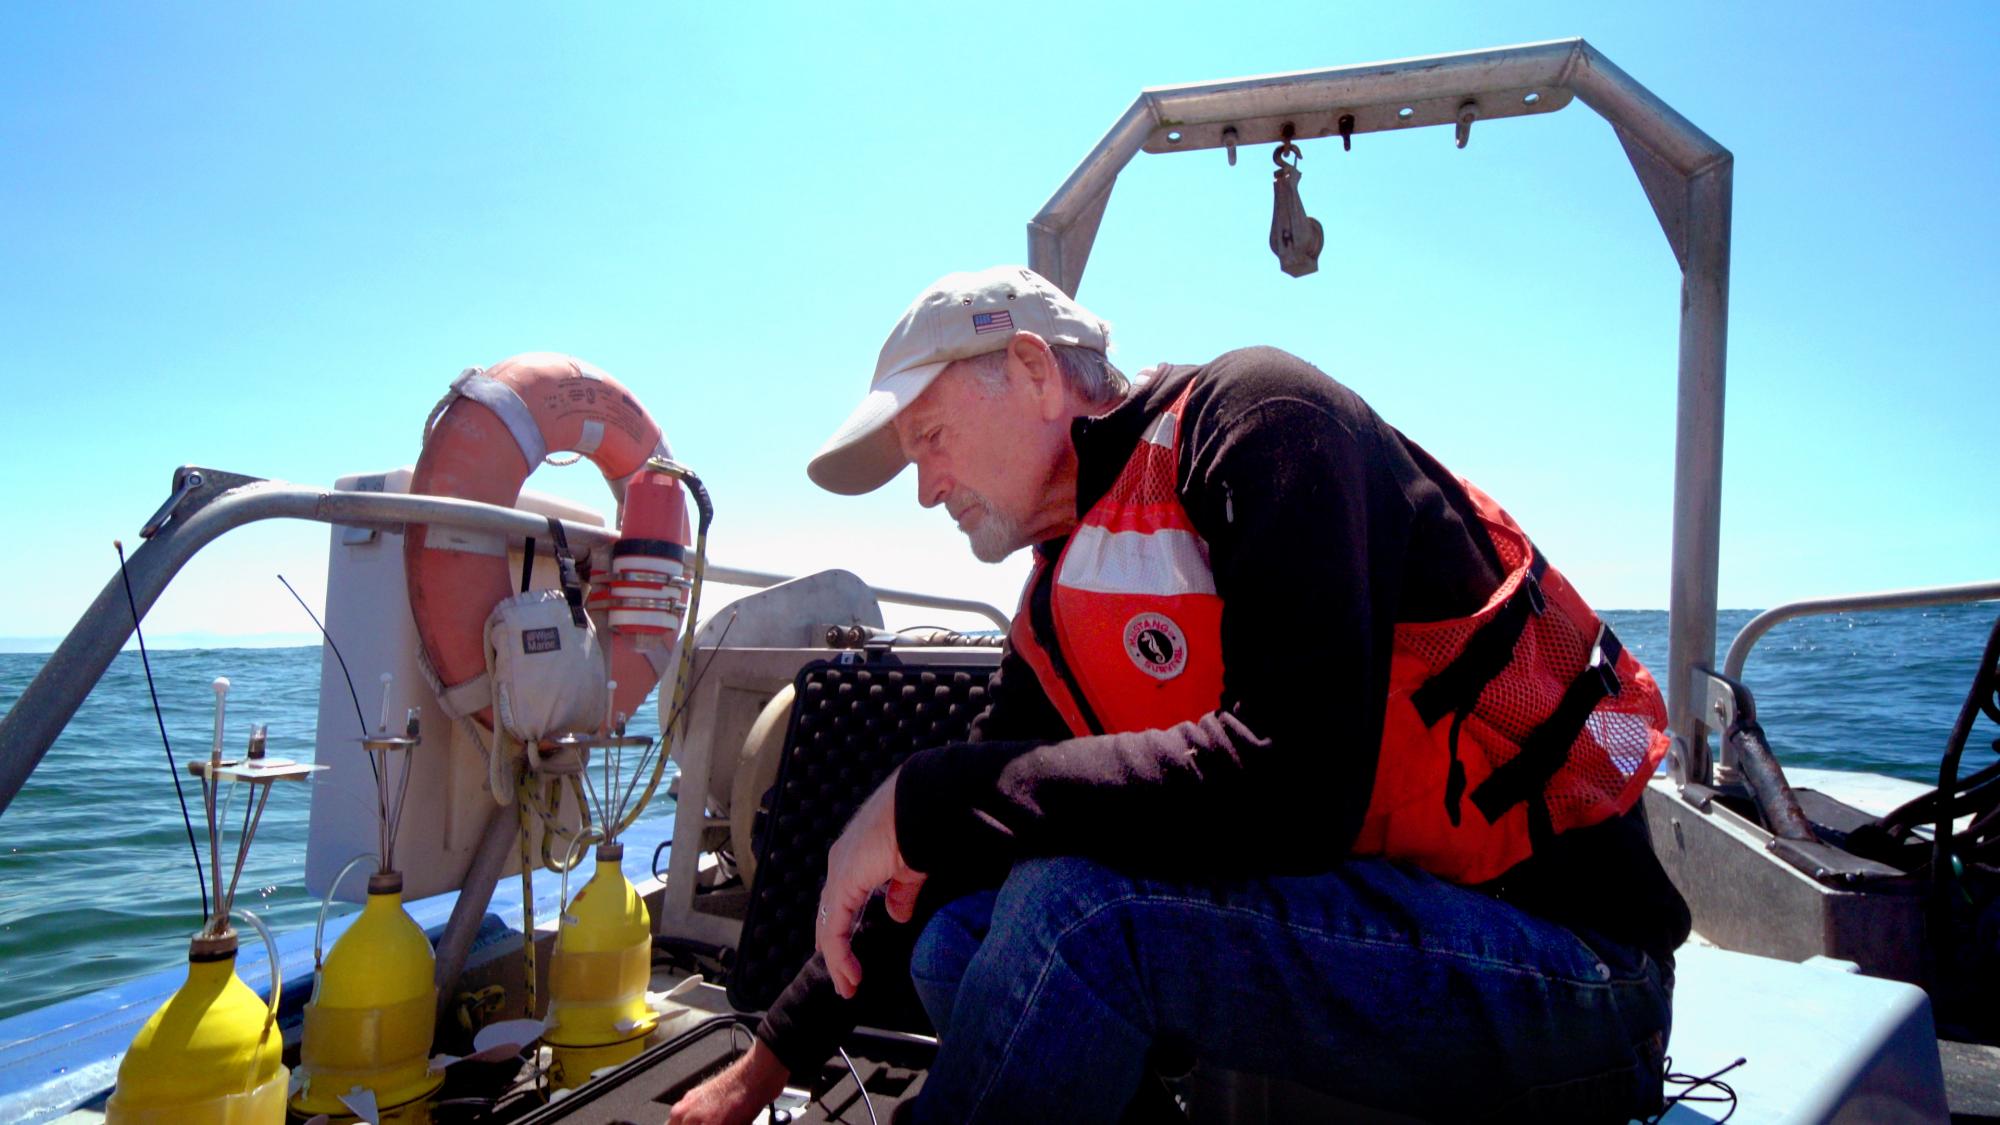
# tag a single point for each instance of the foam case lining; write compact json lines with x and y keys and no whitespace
{"x":640,"y":1092}
{"x":853,"y":723}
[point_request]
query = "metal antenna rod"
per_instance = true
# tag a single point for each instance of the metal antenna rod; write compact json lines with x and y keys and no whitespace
{"x":208,"y":787}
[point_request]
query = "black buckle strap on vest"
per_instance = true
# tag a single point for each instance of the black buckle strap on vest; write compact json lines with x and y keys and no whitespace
{"x":1455,"y":688}
{"x":1546,"y":748}
{"x":572,"y":586}
{"x":1454,"y":781}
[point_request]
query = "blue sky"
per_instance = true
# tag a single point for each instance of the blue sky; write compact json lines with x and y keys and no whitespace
{"x":265,"y":237}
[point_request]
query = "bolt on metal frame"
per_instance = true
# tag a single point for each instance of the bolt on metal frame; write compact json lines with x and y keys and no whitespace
{"x":1685,"y":174}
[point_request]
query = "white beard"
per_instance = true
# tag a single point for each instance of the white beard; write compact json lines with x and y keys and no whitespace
{"x":996,"y":536}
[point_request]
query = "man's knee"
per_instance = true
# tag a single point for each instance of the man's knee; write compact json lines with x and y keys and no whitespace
{"x":1062,"y":890}
{"x":1077,"y":917}
{"x":941,"y":952}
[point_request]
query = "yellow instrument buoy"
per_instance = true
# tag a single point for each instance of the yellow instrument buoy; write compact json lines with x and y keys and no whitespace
{"x":369,"y":1023}
{"x":211,"y":1055}
{"x":598,"y":1015}
{"x":366,"y":1048}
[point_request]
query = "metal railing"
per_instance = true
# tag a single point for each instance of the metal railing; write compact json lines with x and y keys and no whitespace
{"x":761,"y":579}
{"x":207,"y":504}
{"x":1754,"y":630}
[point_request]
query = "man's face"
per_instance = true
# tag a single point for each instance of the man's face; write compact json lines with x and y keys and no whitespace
{"x":979,"y":451}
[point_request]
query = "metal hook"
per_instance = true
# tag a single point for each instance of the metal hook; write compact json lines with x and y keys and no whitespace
{"x":1278,"y":157}
{"x":1229,"y":143}
{"x":1296,"y":237}
{"x":1468,"y":112}
{"x":1347,"y":132}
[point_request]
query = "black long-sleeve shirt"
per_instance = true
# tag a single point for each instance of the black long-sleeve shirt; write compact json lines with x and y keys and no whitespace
{"x":1325,"y":527}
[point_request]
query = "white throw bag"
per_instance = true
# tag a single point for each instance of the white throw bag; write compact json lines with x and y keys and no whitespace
{"x":549,"y":676}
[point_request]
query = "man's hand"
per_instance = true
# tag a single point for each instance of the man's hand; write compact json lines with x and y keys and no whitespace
{"x":737,"y":1094}
{"x":864,"y":858}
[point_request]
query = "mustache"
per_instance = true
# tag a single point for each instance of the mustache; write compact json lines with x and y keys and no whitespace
{"x":964,"y":500}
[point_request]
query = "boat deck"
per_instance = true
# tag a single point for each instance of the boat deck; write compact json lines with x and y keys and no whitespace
{"x":1813,"y":1036}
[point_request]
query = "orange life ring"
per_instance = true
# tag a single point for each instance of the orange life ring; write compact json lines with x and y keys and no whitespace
{"x":485,"y":438}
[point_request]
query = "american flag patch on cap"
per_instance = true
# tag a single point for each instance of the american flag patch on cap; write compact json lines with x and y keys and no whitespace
{"x":1002,"y":321}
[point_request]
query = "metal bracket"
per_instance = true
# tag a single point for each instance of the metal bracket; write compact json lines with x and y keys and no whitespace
{"x":1727,"y":707}
{"x":186,"y":481}
{"x":194,"y":489}
{"x":1722,"y":700}
{"x":1468,"y":112}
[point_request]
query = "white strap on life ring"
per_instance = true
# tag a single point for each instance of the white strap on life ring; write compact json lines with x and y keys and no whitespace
{"x":460,"y":700}
{"x":469,"y":698}
{"x":494,"y":395}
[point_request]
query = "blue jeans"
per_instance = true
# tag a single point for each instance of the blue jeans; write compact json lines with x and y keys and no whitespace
{"x":1376,"y":983}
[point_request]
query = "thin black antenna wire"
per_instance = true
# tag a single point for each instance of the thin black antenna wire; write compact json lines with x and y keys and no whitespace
{"x":173,"y":770}
{"x":667,"y":728}
{"x":345,"y":674}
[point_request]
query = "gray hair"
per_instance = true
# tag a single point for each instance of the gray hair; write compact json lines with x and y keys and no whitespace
{"x":1091,"y":376}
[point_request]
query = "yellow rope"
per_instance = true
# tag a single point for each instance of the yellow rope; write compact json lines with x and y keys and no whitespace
{"x":522,"y":812}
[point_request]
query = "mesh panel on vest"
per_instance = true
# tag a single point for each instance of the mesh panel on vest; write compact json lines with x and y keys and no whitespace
{"x":1552,"y":651}
{"x":1149,"y":476}
{"x":852,"y":725}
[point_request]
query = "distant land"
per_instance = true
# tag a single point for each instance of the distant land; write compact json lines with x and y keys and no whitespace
{"x":178,"y":641}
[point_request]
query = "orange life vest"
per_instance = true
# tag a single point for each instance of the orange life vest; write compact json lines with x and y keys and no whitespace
{"x":1502,"y":728}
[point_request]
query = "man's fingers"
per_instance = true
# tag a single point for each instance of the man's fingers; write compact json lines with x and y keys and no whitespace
{"x":841,"y":963}
{"x":838,"y":909}
{"x":862,"y":859}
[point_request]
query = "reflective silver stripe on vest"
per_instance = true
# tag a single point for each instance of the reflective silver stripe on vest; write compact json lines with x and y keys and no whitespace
{"x":1165,"y":563}
{"x":1163,"y":430}
{"x":500,"y":398}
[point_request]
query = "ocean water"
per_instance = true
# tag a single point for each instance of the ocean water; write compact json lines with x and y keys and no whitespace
{"x":96,"y":881}
{"x":97,"y":885}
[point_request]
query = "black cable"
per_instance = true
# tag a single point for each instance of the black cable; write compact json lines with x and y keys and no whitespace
{"x":1974,"y":794}
{"x":1725,"y":1092}
{"x":664,"y":845}
{"x":345,"y":674}
{"x":173,"y":770}
{"x":1985,"y":683}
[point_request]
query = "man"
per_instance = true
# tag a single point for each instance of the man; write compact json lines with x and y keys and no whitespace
{"x":1301,"y":760}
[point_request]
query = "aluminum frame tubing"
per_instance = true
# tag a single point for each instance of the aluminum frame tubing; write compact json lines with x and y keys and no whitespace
{"x":45,"y":708}
{"x":1060,"y":236}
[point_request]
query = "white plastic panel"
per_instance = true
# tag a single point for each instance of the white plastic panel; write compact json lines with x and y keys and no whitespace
{"x":1818,"y":1044}
{"x":368,"y":615}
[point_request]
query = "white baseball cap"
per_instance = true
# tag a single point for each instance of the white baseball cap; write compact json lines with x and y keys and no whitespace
{"x":958,"y":316}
